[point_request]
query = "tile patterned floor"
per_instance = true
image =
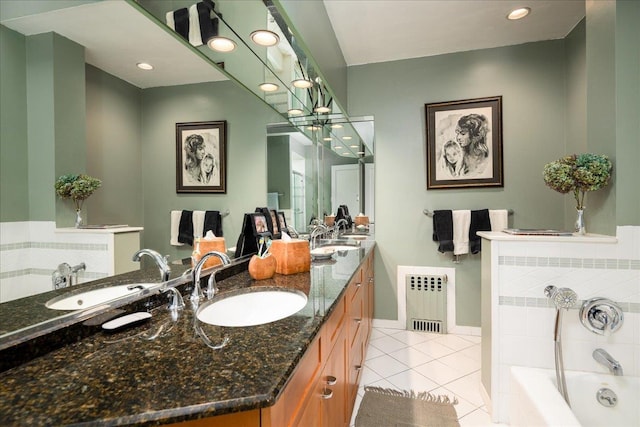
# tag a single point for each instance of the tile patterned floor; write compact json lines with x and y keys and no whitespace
{"x":442,"y":364}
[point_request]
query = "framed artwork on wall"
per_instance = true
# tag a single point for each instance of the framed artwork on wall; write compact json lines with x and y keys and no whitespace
{"x":464,"y":143}
{"x":201,"y":162}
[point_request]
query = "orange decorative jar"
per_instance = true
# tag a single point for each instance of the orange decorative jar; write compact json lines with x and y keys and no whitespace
{"x":262,"y":268}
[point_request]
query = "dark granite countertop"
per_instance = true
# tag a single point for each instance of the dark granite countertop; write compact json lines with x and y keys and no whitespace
{"x":163,"y":372}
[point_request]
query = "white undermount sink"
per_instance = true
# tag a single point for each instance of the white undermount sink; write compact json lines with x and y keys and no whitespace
{"x":251,"y":308}
{"x":88,"y":299}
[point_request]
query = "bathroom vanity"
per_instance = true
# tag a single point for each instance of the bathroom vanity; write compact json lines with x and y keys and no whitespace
{"x":302,"y":370}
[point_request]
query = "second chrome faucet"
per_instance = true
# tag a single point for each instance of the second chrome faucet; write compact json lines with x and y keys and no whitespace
{"x":197,"y":294}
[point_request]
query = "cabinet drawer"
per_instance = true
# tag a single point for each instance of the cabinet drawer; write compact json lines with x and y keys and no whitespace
{"x":332,"y":328}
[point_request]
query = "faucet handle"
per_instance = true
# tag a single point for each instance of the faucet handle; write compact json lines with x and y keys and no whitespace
{"x":601,"y":316}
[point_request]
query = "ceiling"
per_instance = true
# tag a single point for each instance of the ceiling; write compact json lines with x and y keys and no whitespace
{"x":371,"y":31}
{"x":105,"y":29}
{"x":368,"y":31}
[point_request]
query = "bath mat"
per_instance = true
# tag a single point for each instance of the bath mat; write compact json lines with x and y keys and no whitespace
{"x":384,"y":407}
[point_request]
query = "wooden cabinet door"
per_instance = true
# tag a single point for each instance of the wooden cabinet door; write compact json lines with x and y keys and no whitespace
{"x":334,"y":386}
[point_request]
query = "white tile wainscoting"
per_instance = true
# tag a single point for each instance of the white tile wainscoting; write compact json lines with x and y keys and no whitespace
{"x":521,"y":319}
{"x":31,"y":250}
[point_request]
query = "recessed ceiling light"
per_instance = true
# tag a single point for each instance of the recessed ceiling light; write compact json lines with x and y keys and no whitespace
{"x":221,"y":44}
{"x":361,"y":153}
{"x":353,"y":146}
{"x":144,"y":66}
{"x":518,"y":13}
{"x":302,"y":83}
{"x":269,"y":87}
{"x":265,"y":38}
{"x":322,"y":109}
{"x":313,"y":127}
{"x":295,"y":112}
{"x":346,"y":138}
{"x":326,"y":138}
{"x":336,"y":126}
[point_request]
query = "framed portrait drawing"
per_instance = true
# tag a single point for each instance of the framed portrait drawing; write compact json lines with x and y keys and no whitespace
{"x":201,"y":162}
{"x":464,"y":143}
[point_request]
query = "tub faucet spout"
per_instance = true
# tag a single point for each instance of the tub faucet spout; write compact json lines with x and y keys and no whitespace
{"x":604,"y":358}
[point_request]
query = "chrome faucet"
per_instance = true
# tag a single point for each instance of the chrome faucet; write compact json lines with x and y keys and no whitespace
{"x":339,"y":223}
{"x":161,"y":262}
{"x":604,"y":358}
{"x":197,"y":295}
{"x":318,"y":230}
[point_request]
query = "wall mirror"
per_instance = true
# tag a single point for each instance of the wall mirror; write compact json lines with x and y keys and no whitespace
{"x":144,"y":22}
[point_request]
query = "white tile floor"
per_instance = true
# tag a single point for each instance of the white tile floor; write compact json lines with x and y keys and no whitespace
{"x":419,"y":361}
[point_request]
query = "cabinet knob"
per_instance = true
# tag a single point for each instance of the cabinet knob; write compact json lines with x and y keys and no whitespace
{"x":331,"y":380}
{"x":358,"y":321}
{"x":327,"y":393}
{"x":358,"y":368}
{"x":358,"y":284}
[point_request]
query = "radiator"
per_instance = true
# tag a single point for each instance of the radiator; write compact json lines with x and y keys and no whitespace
{"x":427,"y":303}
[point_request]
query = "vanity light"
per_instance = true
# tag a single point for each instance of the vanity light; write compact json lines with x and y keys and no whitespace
{"x":144,"y":66}
{"x":518,"y":13}
{"x":268,"y":87}
{"x":221,"y":44}
{"x":322,"y":109}
{"x":302,"y":83}
{"x":295,"y":112}
{"x":265,"y":38}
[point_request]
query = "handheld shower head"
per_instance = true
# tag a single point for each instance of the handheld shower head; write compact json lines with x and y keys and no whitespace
{"x":561,"y":297}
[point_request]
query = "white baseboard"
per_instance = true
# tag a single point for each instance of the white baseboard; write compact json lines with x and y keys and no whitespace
{"x":466,"y":330}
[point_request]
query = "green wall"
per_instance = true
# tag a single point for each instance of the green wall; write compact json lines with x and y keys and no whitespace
{"x":279,"y":169}
{"x":531,"y":80}
{"x":14,"y":198}
{"x":114,"y":129}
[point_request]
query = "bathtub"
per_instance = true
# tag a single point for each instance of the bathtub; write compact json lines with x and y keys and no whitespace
{"x":534,"y":399}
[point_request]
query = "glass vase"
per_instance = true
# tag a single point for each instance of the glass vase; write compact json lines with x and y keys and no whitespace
{"x":579,"y":226}
{"x":78,"y":218}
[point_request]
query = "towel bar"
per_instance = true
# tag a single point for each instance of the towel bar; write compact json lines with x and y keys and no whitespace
{"x":429,"y":213}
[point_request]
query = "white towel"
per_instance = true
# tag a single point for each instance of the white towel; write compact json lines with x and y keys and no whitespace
{"x":198,"y":224}
{"x":170,"y":22}
{"x":461,"y":223}
{"x":499,"y":219}
{"x":175,"y":225}
{"x":195,"y":37}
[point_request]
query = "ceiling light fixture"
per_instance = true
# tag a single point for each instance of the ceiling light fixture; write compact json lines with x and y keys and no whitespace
{"x":322,"y":109}
{"x":295,"y":112}
{"x":346,"y":138}
{"x":268,"y":87}
{"x":336,"y":126}
{"x":520,"y":13}
{"x":326,"y":138}
{"x":265,"y":38}
{"x":221,"y":44}
{"x":302,"y":83}
{"x":144,"y":66}
{"x":353,"y":146}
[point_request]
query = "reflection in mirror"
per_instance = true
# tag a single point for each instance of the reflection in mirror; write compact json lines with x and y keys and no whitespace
{"x":312,"y":170}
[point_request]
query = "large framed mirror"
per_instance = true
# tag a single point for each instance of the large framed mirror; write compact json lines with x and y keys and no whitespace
{"x":143,"y":23}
